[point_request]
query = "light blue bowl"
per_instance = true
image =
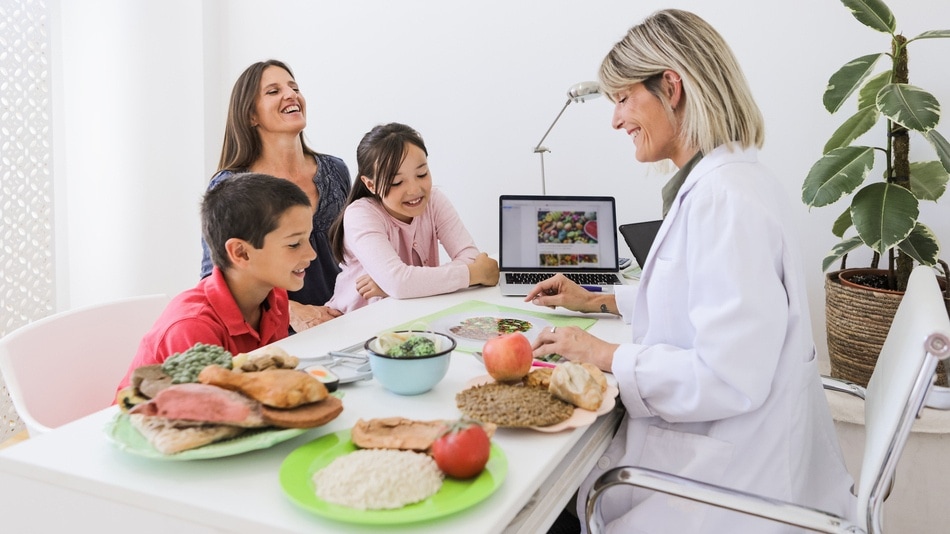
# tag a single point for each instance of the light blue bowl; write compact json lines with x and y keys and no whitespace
{"x":411,"y":375}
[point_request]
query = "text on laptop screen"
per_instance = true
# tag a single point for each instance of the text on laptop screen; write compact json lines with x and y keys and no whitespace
{"x":557,"y":233}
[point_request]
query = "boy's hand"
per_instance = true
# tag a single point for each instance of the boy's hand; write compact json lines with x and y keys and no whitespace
{"x":303,"y":316}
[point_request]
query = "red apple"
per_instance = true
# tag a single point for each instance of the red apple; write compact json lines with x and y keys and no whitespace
{"x":508,"y":357}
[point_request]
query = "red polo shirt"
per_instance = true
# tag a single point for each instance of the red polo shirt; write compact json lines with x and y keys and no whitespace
{"x":209,"y":314}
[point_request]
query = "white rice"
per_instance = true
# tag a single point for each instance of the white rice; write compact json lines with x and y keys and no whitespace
{"x":378,"y":479}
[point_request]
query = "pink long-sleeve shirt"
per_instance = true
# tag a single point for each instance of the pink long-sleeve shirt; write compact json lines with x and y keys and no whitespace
{"x":402,"y":258}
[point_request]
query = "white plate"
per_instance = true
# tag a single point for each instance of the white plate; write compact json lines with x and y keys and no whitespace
{"x":445,"y":324}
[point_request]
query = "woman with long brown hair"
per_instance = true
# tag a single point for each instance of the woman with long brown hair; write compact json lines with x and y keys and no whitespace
{"x":264,"y":133}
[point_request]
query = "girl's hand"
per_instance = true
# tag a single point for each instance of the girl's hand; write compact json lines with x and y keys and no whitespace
{"x":367,"y":288}
{"x":483,"y":271}
{"x":576,"y":345}
{"x":303,"y":316}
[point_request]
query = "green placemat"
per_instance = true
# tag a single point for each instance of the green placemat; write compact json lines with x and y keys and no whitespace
{"x":445,"y":320}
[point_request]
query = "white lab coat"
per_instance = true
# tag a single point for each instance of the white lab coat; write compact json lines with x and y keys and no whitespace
{"x":720,"y":381}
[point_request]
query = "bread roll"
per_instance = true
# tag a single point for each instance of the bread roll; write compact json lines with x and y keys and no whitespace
{"x":539,"y":377}
{"x":573,"y":383}
{"x":597,"y":374}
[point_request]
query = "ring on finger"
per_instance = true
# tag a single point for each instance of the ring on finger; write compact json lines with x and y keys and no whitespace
{"x":553,"y":328}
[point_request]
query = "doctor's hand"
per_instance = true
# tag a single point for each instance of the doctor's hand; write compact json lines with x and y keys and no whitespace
{"x":576,"y":345}
{"x":367,"y":288}
{"x":560,"y":291}
{"x":303,"y":316}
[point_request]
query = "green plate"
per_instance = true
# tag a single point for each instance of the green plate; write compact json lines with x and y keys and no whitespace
{"x":296,"y":478}
{"x":129,"y":439}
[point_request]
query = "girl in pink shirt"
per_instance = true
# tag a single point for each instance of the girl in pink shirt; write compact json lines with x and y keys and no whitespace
{"x":387,"y":238}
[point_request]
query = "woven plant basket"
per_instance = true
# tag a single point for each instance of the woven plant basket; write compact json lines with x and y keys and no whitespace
{"x":858,"y":320}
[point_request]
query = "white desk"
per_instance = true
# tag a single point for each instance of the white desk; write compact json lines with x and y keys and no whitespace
{"x":73,"y":479}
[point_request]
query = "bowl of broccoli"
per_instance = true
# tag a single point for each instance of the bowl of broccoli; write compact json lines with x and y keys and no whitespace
{"x":409,"y":362}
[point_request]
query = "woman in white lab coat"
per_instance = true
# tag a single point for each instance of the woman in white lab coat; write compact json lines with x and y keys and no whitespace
{"x":720,"y":379}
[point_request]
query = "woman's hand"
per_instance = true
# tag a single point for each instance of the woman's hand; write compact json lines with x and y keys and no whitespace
{"x":367,"y":288}
{"x":483,"y":271}
{"x":576,"y":345}
{"x":303,"y":316}
{"x":560,"y":291}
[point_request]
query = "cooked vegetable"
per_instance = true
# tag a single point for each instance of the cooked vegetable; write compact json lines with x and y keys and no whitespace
{"x":184,"y":367}
{"x":463,"y":450}
{"x":414,"y":346}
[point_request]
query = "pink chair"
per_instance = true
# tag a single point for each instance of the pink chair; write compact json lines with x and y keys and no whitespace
{"x":66,"y":366}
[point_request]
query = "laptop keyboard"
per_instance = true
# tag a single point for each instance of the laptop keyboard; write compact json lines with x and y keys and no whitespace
{"x":585,"y":279}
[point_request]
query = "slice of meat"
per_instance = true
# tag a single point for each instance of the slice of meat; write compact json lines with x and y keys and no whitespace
{"x":401,"y":433}
{"x":168,"y":437}
{"x":396,"y":433}
{"x":277,"y":388}
{"x":309,"y":415}
{"x":204,"y":403}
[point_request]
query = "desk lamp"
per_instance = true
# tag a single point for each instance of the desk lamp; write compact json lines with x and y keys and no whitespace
{"x":579,"y":92}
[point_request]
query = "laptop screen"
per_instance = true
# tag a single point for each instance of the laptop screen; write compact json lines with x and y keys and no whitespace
{"x":557,"y":233}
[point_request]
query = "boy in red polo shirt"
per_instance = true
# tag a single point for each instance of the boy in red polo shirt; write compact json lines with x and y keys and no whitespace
{"x":258,"y":229}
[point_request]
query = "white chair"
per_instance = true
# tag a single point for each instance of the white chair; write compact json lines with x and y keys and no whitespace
{"x":66,"y":366}
{"x":918,"y":338}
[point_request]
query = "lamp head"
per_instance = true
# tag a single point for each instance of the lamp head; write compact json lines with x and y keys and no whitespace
{"x":583,"y":91}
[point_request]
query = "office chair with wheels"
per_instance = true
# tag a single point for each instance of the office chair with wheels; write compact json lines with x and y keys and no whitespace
{"x":918,"y":338}
{"x":67,"y":365}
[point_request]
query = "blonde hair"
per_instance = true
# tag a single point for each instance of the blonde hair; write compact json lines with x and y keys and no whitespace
{"x":719,"y":108}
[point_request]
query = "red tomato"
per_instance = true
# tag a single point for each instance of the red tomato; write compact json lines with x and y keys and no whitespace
{"x":463,"y":450}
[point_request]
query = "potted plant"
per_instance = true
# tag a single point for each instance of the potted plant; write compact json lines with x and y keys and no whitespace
{"x":882,"y":214}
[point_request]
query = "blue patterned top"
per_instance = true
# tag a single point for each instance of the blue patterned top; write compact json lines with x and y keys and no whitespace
{"x":333,"y":186}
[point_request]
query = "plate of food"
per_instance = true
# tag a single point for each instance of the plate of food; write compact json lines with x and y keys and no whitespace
{"x":313,"y":461}
{"x":196,"y":405}
{"x":128,"y":439}
{"x":472,"y":329}
{"x":537,"y":408}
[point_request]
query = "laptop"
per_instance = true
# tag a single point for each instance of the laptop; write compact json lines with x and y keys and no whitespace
{"x":544,"y":235}
{"x":639,"y":237}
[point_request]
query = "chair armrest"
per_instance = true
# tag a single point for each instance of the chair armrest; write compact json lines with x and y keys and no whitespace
{"x":711,"y":494}
{"x":844,"y":386}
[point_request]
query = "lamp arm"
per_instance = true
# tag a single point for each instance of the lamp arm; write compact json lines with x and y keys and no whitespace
{"x":541,"y":149}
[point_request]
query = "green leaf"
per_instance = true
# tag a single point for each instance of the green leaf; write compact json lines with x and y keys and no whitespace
{"x":836,"y":174}
{"x":928,"y":180}
{"x":932,"y":34}
{"x":842,"y":223}
{"x":884,"y":215}
{"x":921,"y":245}
{"x":839,"y":250}
{"x":909,"y":106}
{"x":846,"y":80}
{"x":873,"y":14}
{"x":856,"y":126}
{"x":941,"y":145}
{"x":867,"y":96}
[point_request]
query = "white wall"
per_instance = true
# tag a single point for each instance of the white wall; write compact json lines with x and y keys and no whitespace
{"x":129,"y":153}
{"x":146,"y":85}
